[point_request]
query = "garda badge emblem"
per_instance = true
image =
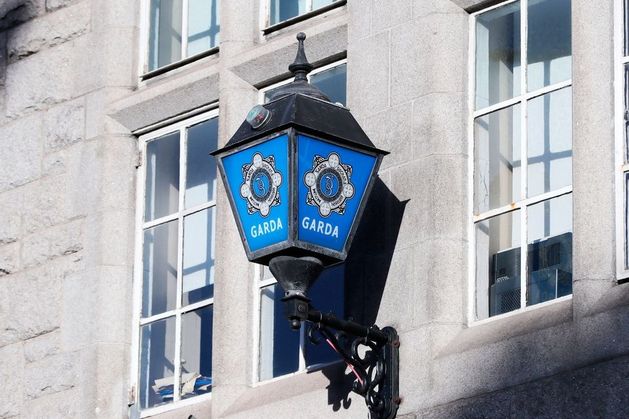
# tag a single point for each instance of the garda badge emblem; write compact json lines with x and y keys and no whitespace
{"x":261,"y":184}
{"x":329,"y":184}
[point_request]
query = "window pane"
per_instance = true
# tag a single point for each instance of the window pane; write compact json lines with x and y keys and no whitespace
{"x":196,"y":352}
{"x":498,"y":265}
{"x":157,"y":360}
{"x":198,"y":256}
{"x":497,"y":55}
{"x":549,"y":43}
{"x":550,"y":250}
{"x":332,"y":82}
{"x":285,"y":9}
{"x":626,"y":116}
{"x":201,"y":167}
{"x":162,"y":177}
{"x":316,"y":4}
{"x":203,"y":25}
{"x":626,"y":224}
{"x":159,"y":286}
{"x":328,"y":293}
{"x":550,"y":142}
{"x":497,"y":159}
{"x":165,"y":33}
{"x":279,"y":344}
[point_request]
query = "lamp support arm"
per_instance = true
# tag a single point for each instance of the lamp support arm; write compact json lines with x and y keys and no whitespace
{"x":370,"y":352}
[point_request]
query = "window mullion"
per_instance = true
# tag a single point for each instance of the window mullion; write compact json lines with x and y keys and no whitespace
{"x":184,"y":28}
{"x":302,"y":347}
{"x":309,"y":6}
{"x":180,"y":236}
{"x":523,"y":151}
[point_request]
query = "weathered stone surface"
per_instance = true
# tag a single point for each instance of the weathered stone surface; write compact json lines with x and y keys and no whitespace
{"x":48,"y":31}
{"x":62,"y":240}
{"x":42,"y":346}
{"x":390,"y":130}
{"x":11,"y":376}
{"x":57,"y":4}
{"x":368,"y":80}
{"x":359,"y":18}
{"x":64,"y":124}
{"x":21,"y":152}
{"x":30,"y":304}
{"x":13,"y":12}
{"x":50,"y":375}
{"x":9,"y":258}
{"x":48,"y":77}
{"x":388,"y":14}
{"x":62,"y":405}
{"x":11,"y":216}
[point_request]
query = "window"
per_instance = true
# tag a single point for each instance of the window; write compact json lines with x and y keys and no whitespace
{"x":281,"y":350}
{"x":179,"y":29}
{"x":622,"y":131}
{"x":282,"y":10}
{"x":176,"y":261}
{"x":522,"y":148}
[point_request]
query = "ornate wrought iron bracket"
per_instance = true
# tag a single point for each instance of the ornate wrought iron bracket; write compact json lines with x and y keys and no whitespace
{"x":372,"y":354}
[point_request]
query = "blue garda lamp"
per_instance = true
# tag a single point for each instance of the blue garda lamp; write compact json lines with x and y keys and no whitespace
{"x":298,"y":173}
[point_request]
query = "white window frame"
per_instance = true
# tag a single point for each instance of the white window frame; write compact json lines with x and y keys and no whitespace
{"x":145,"y":27}
{"x":620,"y":60}
{"x":141,"y":227}
{"x":265,"y":13}
{"x":260,"y":282}
{"x":524,"y":202}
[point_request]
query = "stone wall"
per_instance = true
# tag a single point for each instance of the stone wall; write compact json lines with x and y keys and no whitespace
{"x":67,"y":194}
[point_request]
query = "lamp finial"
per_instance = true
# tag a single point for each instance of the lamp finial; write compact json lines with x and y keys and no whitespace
{"x":300,"y":67}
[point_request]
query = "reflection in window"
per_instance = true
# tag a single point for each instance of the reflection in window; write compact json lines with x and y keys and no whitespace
{"x":281,"y":10}
{"x":168,"y":24}
{"x":283,"y":350}
{"x":522,"y":156}
{"x":178,"y":263}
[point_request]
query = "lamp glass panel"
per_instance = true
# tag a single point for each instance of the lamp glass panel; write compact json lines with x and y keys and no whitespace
{"x":498,"y":265}
{"x":549,"y":142}
{"x":162,"y":177}
{"x":196,"y":352}
{"x":159,"y":286}
{"x":157,"y":360}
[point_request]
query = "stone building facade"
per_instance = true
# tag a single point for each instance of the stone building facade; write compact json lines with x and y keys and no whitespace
{"x":86,"y":86}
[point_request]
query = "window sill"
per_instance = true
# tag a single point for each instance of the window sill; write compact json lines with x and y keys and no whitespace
{"x":509,"y":325}
{"x":157,"y":410}
{"x":301,"y":18}
{"x":178,"y":64}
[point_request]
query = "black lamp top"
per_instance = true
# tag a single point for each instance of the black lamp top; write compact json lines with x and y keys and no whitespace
{"x":300,"y":69}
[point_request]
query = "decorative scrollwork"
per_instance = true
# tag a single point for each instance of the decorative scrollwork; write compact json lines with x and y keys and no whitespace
{"x":370,"y":368}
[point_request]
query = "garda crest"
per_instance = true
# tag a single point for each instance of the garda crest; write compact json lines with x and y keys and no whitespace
{"x":329,"y":184}
{"x":261,"y":183}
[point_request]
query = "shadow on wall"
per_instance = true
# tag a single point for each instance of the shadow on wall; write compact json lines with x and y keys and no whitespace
{"x":366,"y":270}
{"x":13,"y":12}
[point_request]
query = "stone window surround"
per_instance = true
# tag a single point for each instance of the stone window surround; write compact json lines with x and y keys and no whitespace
{"x":141,"y":227}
